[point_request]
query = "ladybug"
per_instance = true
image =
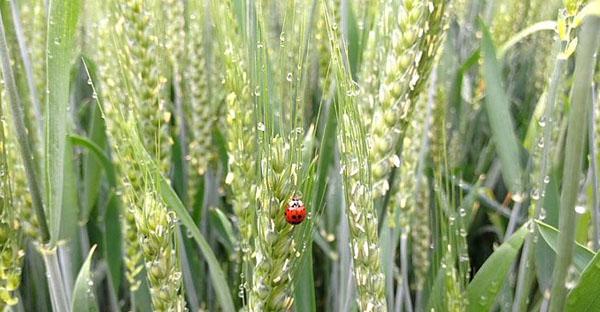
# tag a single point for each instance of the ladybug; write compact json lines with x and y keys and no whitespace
{"x":295,"y":212}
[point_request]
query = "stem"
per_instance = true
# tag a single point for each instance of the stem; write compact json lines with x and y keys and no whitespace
{"x":513,"y":220}
{"x":18,"y":118}
{"x":65,"y":262}
{"x":527,"y":262}
{"x":58,"y":297}
{"x":594,"y":168}
{"x":28,"y":68}
{"x":574,"y":150}
{"x":404,"y":268}
{"x":188,"y":279}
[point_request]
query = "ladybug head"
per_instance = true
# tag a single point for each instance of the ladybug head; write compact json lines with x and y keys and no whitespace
{"x":296,"y":202}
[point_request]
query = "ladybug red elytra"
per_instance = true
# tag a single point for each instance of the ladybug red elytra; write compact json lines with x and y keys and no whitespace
{"x":295,"y":212}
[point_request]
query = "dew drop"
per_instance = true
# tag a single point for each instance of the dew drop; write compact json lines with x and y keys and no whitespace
{"x":482,"y":299}
{"x":535,"y":194}
{"x":580,"y":209}
{"x":540,"y":143}
{"x":530,"y":227}
{"x":542,"y":215}
{"x":542,"y":122}
{"x":571,"y":280}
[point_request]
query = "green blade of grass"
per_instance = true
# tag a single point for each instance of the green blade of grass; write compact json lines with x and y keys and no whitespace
{"x":544,"y":25}
{"x":70,"y":218}
{"x":589,"y":39}
{"x":489,"y":280}
{"x":62,"y":26}
{"x":304,"y":290}
{"x":112,"y":225}
{"x":582,"y":256}
{"x":497,"y":107}
{"x":96,"y":130}
{"x":224,"y":229}
{"x":84,"y":299}
{"x":584,"y":297}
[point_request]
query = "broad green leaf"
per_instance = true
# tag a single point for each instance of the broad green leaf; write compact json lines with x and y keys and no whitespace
{"x":304,"y":284}
{"x":96,"y":130}
{"x":62,"y":29}
{"x":544,"y":254}
{"x":497,"y":107}
{"x":224,"y":228}
{"x":584,"y":297}
{"x":84,"y":299}
{"x":582,"y":256}
{"x":113,"y":239}
{"x":70,"y":202}
{"x":490,"y":278}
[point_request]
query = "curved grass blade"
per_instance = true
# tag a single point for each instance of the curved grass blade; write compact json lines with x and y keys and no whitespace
{"x":112,"y":230}
{"x":584,"y":297}
{"x":84,"y":299}
{"x":216,"y":273}
{"x":544,"y":25}
{"x":224,"y":229}
{"x":582,"y":256}
{"x":62,"y":28}
{"x":489,"y":280}
{"x":497,"y":107}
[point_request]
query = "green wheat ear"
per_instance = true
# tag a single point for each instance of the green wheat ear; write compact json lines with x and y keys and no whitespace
{"x":132,"y":83}
{"x":200,"y":109}
{"x":358,"y":189}
{"x":416,"y":32}
{"x":240,"y":125}
{"x":146,"y":78}
{"x":156,"y":235}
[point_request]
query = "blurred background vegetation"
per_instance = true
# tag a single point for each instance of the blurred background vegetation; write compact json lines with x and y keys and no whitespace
{"x":446,"y":152}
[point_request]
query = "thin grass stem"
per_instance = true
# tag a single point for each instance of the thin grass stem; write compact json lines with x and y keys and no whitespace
{"x":589,"y":38}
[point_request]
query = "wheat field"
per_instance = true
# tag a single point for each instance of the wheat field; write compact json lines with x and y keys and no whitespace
{"x":299,"y":155}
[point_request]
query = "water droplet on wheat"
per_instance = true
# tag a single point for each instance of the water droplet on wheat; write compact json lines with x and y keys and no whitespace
{"x":542,"y":122}
{"x":542,"y":214}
